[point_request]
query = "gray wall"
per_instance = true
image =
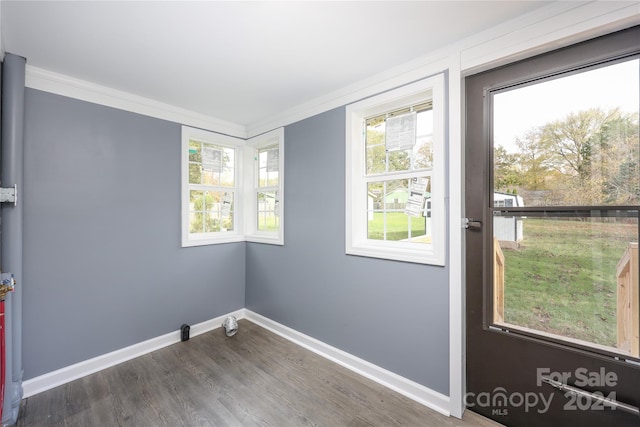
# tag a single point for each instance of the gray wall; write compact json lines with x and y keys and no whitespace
{"x":103,"y":266}
{"x":390,"y":313}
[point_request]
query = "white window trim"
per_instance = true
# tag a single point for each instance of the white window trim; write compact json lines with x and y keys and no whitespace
{"x":357,"y":242}
{"x":237,"y":235}
{"x":251,"y":188}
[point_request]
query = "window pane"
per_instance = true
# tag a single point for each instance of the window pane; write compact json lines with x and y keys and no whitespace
{"x":268,"y":214}
{"x":195,"y":153}
{"x":210,"y":211}
{"x":268,"y":166}
{"x":409,"y":147}
{"x":196,"y":201}
{"x":376,"y":159}
{"x":212,"y":221}
{"x":210,"y":177}
{"x":390,"y":216}
{"x":211,"y":164}
{"x":195,"y":173}
{"x":227,"y":176}
{"x":375,"y":131}
{"x":568,"y":277}
{"x":196,"y":223}
{"x":423,"y":153}
{"x":571,"y":141}
{"x":211,"y":157}
{"x":226,"y":211}
{"x":399,"y":160}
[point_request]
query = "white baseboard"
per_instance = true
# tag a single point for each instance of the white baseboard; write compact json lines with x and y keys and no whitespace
{"x":73,"y":372}
{"x":421,"y":394}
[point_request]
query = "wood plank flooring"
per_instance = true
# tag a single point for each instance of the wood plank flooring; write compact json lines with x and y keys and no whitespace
{"x":255,"y":378}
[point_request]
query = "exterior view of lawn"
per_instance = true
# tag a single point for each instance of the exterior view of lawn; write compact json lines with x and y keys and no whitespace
{"x":562,"y":278}
{"x":397,"y":226}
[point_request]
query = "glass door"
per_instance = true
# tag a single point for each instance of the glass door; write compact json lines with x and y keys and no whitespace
{"x":553,"y":312}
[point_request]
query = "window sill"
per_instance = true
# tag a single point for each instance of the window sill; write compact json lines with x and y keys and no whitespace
{"x":265,"y":238}
{"x":194,"y":241}
{"x":399,"y":252}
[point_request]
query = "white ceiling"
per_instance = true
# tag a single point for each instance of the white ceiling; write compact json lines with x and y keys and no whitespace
{"x":238,"y":61}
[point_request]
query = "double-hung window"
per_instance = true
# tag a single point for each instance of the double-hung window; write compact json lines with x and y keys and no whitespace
{"x":264,"y":196}
{"x":395,"y":183}
{"x":211,"y":188}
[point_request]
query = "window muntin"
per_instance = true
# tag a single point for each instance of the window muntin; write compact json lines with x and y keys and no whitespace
{"x":395,"y":174}
{"x":211,"y":183}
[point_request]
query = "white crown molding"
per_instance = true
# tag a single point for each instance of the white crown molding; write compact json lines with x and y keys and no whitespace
{"x":49,"y":81}
{"x":551,"y":26}
{"x":417,"y":392}
{"x":87,"y":367}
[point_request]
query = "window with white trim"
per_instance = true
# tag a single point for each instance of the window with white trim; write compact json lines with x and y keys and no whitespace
{"x":211,"y":188}
{"x":264,"y":199}
{"x":395,"y":186}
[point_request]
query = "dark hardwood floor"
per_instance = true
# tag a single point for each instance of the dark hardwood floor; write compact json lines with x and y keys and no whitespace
{"x":255,"y":378}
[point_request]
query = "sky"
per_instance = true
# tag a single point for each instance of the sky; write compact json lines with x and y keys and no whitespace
{"x":519,"y":110}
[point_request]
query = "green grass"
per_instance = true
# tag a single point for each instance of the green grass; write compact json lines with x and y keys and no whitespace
{"x":270,"y":223}
{"x":562,"y":279}
{"x":397,"y":226}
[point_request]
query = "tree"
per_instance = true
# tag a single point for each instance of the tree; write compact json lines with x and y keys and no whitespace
{"x":506,"y":175}
{"x":534,"y":160}
{"x":570,"y":141}
{"x":590,"y":157}
{"x":621,"y":159}
{"x":377,"y":154}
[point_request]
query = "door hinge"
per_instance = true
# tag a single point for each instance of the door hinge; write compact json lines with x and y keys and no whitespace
{"x":9,"y":195}
{"x":472,"y":224}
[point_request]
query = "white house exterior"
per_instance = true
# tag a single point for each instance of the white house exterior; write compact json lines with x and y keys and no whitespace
{"x":508,"y":229}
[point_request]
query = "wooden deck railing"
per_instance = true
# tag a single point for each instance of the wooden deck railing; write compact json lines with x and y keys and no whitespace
{"x":628,"y":319}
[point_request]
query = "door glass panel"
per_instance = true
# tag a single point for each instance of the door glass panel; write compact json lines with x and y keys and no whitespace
{"x":572,"y":140}
{"x":566,"y":276}
{"x":566,"y":191}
